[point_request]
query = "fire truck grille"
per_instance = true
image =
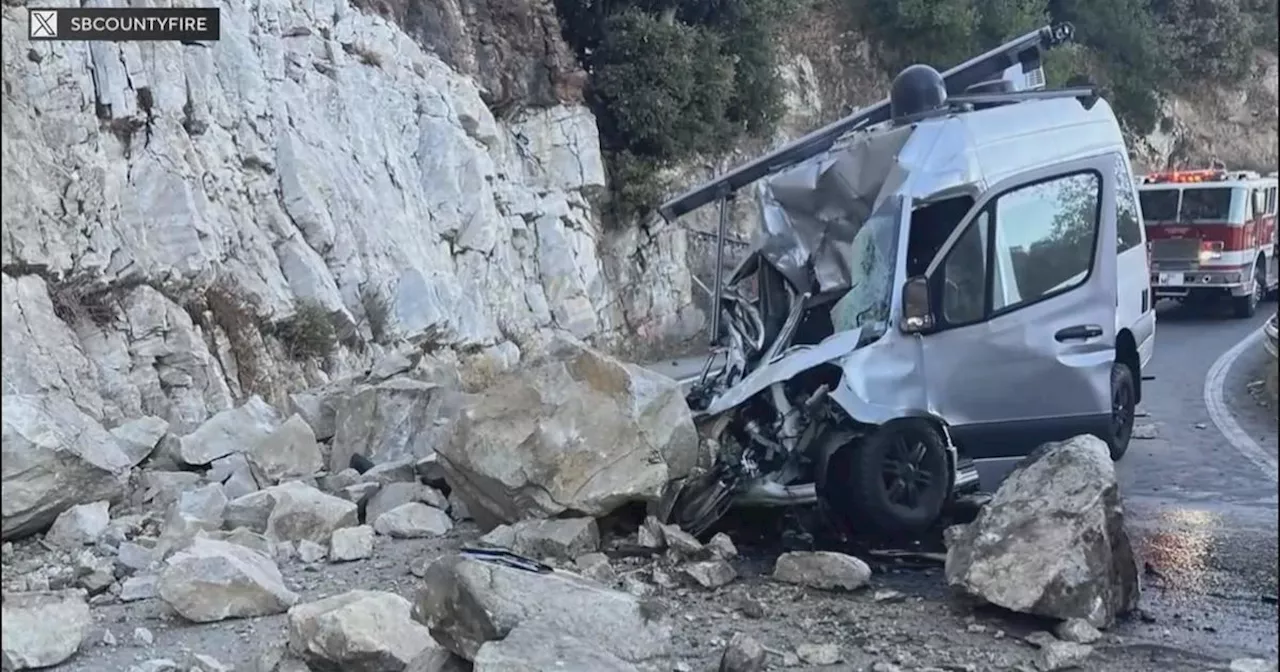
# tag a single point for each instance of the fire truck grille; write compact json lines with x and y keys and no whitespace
{"x":1175,"y":251}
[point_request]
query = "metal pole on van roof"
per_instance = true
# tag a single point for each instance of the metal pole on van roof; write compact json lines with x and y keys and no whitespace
{"x":1025,"y":50}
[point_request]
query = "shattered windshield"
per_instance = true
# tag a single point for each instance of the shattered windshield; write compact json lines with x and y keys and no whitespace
{"x":871,"y":262}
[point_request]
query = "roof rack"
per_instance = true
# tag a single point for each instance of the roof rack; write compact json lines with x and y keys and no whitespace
{"x":1025,"y":50}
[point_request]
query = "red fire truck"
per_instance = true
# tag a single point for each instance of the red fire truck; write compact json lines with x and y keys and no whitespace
{"x":1211,"y":234}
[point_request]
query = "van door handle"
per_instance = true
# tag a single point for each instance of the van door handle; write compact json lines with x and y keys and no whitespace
{"x":1078,"y":333}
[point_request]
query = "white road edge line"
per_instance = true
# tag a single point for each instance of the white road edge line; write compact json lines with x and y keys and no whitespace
{"x":1221,"y":415}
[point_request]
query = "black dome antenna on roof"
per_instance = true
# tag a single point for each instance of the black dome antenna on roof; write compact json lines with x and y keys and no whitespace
{"x":916,"y":92}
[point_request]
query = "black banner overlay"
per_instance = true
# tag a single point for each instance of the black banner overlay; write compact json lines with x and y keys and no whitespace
{"x":123,"y":24}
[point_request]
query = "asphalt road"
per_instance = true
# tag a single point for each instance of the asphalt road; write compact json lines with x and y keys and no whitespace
{"x":1203,"y":511}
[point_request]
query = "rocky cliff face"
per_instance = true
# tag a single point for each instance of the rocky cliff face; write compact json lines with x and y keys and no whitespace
{"x":172,"y":212}
{"x":177,"y":218}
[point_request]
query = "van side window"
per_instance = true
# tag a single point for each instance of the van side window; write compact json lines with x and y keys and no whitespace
{"x":964,"y":285}
{"x":1036,"y":240}
{"x":1128,"y":227}
{"x":1047,"y":231}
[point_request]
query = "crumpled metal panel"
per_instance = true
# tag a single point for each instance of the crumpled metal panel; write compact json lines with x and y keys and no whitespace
{"x":812,"y":212}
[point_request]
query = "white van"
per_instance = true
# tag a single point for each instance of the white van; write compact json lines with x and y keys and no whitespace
{"x":942,"y":283}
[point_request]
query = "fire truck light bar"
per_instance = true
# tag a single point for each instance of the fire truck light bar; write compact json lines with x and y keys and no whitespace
{"x":1185,"y":176}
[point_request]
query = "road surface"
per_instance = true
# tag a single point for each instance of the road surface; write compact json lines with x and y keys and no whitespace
{"x":1201,"y":504}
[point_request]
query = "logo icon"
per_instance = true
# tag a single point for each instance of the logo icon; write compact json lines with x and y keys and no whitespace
{"x":44,"y":23}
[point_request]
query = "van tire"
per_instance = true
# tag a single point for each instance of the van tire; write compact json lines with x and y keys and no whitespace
{"x":1246,"y":306}
{"x":862,"y":492}
{"x":1124,"y":402}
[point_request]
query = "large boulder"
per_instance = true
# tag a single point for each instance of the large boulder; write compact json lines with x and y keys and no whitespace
{"x":54,"y":457}
{"x":357,"y":631}
{"x":580,"y":432}
{"x":1052,"y":540}
{"x":43,"y":629}
{"x":393,"y":420}
{"x":213,"y":580}
{"x":234,"y":430}
{"x":467,"y":603}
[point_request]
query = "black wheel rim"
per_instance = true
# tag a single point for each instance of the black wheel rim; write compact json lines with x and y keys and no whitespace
{"x":1121,"y":412}
{"x":906,"y":476}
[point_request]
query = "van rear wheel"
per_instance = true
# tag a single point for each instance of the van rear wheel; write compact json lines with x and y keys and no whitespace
{"x":1124,"y":402}
{"x":896,"y":482}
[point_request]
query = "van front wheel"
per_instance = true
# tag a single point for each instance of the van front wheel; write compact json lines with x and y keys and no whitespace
{"x":896,"y":482}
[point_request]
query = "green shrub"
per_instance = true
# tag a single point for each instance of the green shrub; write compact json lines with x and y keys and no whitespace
{"x":1206,"y":39}
{"x":665,"y":85}
{"x":309,"y":332}
{"x":671,"y":79}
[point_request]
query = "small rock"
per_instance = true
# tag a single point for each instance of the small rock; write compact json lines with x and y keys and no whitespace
{"x":194,"y":511}
{"x":751,"y":607}
{"x":888,"y":595}
{"x":395,"y":471}
{"x":133,"y":557}
{"x":351,"y":543}
{"x":1253,"y":665}
{"x":310,"y":552}
{"x":360,"y":493}
{"x":819,"y":654}
{"x":243,"y":536}
{"x":108,"y":639}
{"x":138,"y":588}
{"x":681,"y":542}
{"x":214,"y":580}
{"x":139,"y":437}
{"x":743,"y":654}
{"x":1144,"y":432}
{"x":468,"y":602}
{"x":822,"y":569}
{"x":358,"y":631}
{"x":1077,"y":630}
{"x":205,"y":663}
{"x":722,"y":546}
{"x":79,"y":525}
{"x":534,"y":646}
{"x":155,"y":665}
{"x":42,"y":629}
{"x":650,"y":534}
{"x":458,"y":508}
{"x":413,"y":520}
{"x":595,"y":566}
{"x":303,"y":512}
{"x":143,"y":637}
{"x":561,"y":538}
{"x":395,"y":494}
{"x":1057,"y":655}
{"x":711,"y":573}
{"x":290,"y":452}
{"x":338,"y":481}
{"x":435,"y":659}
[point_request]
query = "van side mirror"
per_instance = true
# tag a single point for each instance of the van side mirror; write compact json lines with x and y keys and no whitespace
{"x":916,"y":314}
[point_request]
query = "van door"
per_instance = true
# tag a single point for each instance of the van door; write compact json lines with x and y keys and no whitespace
{"x":1024,"y":298}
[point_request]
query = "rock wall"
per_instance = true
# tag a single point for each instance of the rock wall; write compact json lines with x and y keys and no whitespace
{"x":1236,"y":125}
{"x":171,"y":210}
